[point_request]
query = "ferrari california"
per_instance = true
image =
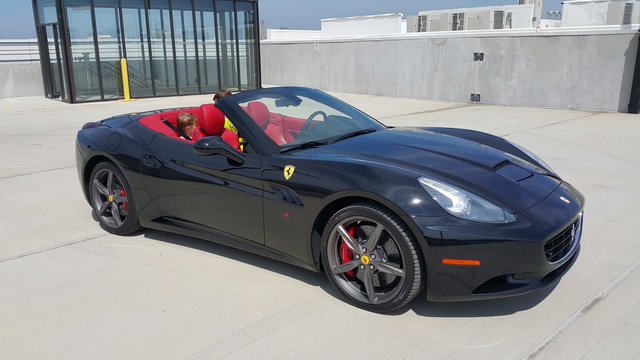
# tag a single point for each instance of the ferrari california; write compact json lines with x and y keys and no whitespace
{"x":302,"y":177}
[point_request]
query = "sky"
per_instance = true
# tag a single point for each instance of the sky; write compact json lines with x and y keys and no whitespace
{"x":16,"y":16}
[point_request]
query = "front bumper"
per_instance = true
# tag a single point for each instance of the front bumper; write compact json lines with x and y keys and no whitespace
{"x":531,"y":253}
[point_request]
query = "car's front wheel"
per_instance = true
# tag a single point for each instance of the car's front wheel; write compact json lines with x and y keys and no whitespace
{"x":371,"y":258}
{"x":112,"y":200}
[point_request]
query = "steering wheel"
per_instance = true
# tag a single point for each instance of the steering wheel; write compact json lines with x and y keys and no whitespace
{"x":307,"y":124}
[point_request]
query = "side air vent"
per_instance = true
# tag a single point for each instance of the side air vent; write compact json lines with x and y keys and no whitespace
{"x":286,"y":195}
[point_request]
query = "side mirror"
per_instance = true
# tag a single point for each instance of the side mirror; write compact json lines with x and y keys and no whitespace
{"x":213,"y":145}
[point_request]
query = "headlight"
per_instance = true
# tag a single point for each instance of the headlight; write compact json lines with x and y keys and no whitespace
{"x":463,"y":204}
{"x":533,"y":156}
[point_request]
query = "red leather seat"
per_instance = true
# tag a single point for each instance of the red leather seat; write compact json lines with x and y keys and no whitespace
{"x":154,"y":122}
{"x":212,"y":124}
{"x":261,"y":115}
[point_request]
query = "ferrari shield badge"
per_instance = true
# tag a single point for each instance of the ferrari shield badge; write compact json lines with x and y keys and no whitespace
{"x":288,"y":171}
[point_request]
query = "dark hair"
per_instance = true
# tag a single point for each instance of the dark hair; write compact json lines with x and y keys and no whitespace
{"x":220,"y":94}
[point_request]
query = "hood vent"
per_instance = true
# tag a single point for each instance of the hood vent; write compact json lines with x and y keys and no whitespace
{"x":512,"y":172}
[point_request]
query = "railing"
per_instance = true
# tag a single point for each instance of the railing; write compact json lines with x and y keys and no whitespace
{"x":21,"y":51}
{"x":86,"y":77}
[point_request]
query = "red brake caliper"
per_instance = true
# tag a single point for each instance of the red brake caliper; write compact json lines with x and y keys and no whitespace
{"x":125,"y":205}
{"x":346,"y":254}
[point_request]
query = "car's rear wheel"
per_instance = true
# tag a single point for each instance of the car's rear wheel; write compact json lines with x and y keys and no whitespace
{"x":112,"y":200}
{"x":371,"y":258}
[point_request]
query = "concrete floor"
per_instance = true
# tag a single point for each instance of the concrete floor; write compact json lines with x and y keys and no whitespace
{"x":69,"y":290}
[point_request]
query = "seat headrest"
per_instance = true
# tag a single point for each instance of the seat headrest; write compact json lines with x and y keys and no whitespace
{"x":212,"y":121}
{"x":259,"y":113}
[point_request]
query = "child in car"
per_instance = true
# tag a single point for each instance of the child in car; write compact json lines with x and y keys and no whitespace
{"x":188,"y":125}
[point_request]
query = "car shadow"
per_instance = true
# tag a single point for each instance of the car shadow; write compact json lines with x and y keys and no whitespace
{"x":420,"y":305}
{"x":263,"y":262}
{"x":478,"y":308}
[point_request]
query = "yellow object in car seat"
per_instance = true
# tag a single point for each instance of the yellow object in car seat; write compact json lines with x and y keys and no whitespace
{"x":229,"y":126}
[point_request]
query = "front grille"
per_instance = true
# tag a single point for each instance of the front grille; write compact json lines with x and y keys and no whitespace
{"x":563,"y":244}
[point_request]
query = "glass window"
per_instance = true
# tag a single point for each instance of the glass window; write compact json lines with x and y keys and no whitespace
{"x":53,"y":78}
{"x":184,"y":35}
{"x":498,"y":17}
{"x":227,"y":41}
{"x":247,"y":41}
{"x":628,"y":10}
{"x":207,"y":46}
{"x":83,"y":57}
{"x":163,"y":72}
{"x":172,"y":47}
{"x":47,"y":11}
{"x":137,"y":51}
{"x":109,"y":48}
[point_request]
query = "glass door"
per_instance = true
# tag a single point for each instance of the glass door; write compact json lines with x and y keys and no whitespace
{"x":51,"y":62}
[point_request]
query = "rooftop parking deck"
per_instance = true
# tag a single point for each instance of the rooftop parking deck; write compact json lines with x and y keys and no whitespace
{"x":69,"y":290}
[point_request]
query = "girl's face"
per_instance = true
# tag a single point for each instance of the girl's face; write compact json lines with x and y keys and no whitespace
{"x":189,"y":130}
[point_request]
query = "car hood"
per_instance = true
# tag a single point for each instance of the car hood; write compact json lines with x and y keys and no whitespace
{"x":496,"y":175}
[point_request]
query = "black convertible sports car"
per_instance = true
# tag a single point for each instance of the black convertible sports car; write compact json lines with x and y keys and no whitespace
{"x":304,"y":178}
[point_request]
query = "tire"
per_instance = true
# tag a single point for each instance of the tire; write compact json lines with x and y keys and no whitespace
{"x":112,"y":200}
{"x":379,"y":277}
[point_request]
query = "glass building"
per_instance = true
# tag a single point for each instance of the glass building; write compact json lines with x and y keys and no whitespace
{"x":171,"y":47}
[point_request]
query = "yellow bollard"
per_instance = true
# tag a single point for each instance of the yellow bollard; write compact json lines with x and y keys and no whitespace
{"x":125,"y":79}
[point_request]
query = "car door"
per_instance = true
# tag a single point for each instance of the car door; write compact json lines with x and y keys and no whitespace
{"x":211,"y":191}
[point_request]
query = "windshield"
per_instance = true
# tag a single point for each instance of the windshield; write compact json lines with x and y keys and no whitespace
{"x":295,"y":118}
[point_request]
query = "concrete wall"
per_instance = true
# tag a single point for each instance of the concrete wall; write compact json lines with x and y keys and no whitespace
{"x":20,"y":80}
{"x":589,"y":69}
{"x":20,"y":72}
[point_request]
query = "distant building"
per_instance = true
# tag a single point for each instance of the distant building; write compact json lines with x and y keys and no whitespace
{"x":382,"y":24}
{"x":550,"y":23}
{"x":286,"y":34}
{"x":524,"y":15}
{"x":600,"y":12}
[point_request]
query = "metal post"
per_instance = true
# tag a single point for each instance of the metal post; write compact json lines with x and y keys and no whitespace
{"x":125,"y":78}
{"x":634,"y":100}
